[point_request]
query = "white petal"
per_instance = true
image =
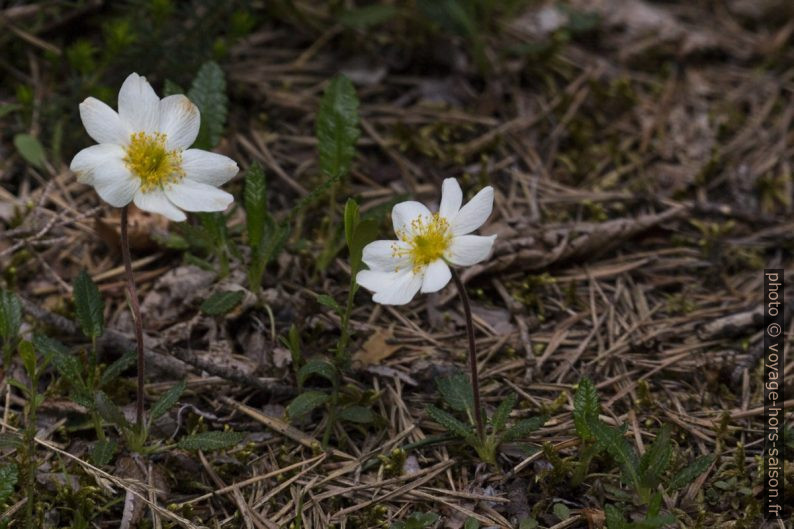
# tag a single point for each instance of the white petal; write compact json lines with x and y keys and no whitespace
{"x":208,"y":167}
{"x":474,"y":213}
{"x":467,"y":250}
{"x":102,"y":123}
{"x":179,"y":121}
{"x":155,"y":201}
{"x":374,"y":280}
{"x":139,"y":106}
{"x":87,"y":163}
{"x":437,"y":275}
{"x":381,"y":255}
{"x":451,"y":198}
{"x":403,"y":213}
{"x":194,"y":196}
{"x":114,"y":183}
{"x":400,"y":289}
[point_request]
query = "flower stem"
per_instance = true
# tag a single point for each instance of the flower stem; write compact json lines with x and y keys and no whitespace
{"x":475,"y":379}
{"x":136,"y":316}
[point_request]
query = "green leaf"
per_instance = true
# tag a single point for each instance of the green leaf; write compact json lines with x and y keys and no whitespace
{"x":170,"y":88}
{"x":167,"y":401}
{"x":452,"y":425}
{"x":7,"y":108}
{"x":255,"y":204}
{"x":328,"y":301}
{"x":351,"y":220}
{"x":523,"y":428}
{"x":365,"y":233}
{"x":67,"y":365}
{"x":208,"y":92}
{"x":222,"y":302}
{"x":687,"y":475}
{"x":367,"y":16}
{"x":499,"y":419}
{"x":585,"y":405}
{"x":456,"y":392}
{"x":416,"y":521}
{"x":561,"y":511}
{"x":28,"y":356}
{"x":357,"y":414}
{"x":305,"y":403}
{"x":654,"y":522}
{"x":322,"y":368}
{"x":10,"y":315}
{"x":614,"y":517}
{"x":8,"y":480}
{"x":611,"y":440}
{"x":10,"y":440}
{"x":47,"y":346}
{"x":471,"y":523}
{"x":655,"y":459}
{"x":337,"y":127}
{"x":450,"y":15}
{"x":102,"y":452}
{"x":88,"y":305}
{"x":31,"y":150}
{"x":114,"y":370}
{"x":209,"y":441}
{"x":108,"y":410}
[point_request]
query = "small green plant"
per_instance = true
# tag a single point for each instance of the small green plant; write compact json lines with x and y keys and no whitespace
{"x":645,"y":474}
{"x":10,"y":322}
{"x":358,"y":233}
{"x":457,"y":392}
{"x":418,"y":520}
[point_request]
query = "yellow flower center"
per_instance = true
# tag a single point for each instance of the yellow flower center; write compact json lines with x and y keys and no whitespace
{"x":148,"y":159}
{"x":428,"y":239}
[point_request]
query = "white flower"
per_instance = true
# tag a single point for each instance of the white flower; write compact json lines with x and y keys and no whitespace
{"x":428,"y":243}
{"x":143,"y":157}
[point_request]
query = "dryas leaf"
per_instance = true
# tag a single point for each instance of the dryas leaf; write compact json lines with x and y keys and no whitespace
{"x":210,"y":441}
{"x":222,"y":302}
{"x":208,"y":93}
{"x":585,"y":405}
{"x":337,"y":127}
{"x":167,"y":401}
{"x":88,"y":306}
{"x":305,"y":403}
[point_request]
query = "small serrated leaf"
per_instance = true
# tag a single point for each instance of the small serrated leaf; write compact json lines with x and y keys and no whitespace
{"x":88,"y":305}
{"x":356,"y":414}
{"x":167,"y":401}
{"x":30,"y":148}
{"x":327,"y":301}
{"x":102,"y":452}
{"x":255,"y":199}
{"x":337,"y":127}
{"x":114,"y":370}
{"x":688,"y":474}
{"x":367,"y":16}
{"x":500,"y":416}
{"x":612,"y":440}
{"x":614,"y":517}
{"x":208,"y":93}
{"x":210,"y":441}
{"x":655,"y":459}
{"x":9,"y":475}
{"x":305,"y":403}
{"x":108,"y":410}
{"x":585,"y":404}
{"x":351,"y":220}
{"x":322,"y":368}
{"x":456,"y":392}
{"x":471,"y":523}
{"x":222,"y":302}
{"x":561,"y":511}
{"x":523,"y":428}
{"x":10,"y":315}
{"x":451,"y":424}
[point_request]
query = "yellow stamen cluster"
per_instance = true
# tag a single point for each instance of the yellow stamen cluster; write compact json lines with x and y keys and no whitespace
{"x":148,"y":159}
{"x":428,"y":239}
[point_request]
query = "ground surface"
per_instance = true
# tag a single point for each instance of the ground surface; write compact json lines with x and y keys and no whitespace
{"x":641,"y":154}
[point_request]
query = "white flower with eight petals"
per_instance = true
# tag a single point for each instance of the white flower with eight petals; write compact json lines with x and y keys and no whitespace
{"x":427,"y":244}
{"x":143,"y":154}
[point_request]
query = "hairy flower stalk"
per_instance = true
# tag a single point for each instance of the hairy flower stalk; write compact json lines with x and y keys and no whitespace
{"x":136,"y":317}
